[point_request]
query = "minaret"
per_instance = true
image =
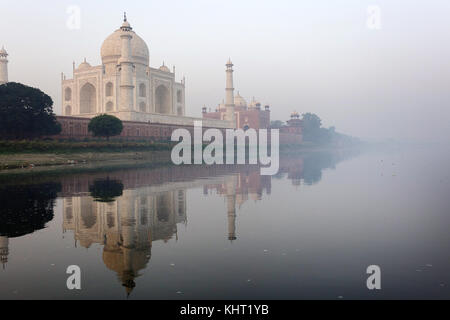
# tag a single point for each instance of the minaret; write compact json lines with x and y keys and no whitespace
{"x":4,"y":250}
{"x":3,"y":66}
{"x":229,"y":95}
{"x":126,"y":67}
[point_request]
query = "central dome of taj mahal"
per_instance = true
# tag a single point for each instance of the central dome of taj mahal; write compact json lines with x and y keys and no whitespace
{"x":112,"y":47}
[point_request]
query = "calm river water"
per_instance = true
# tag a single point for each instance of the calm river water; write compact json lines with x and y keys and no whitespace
{"x":229,"y":233}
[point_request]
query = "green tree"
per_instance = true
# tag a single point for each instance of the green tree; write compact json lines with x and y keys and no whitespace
{"x":311,"y":122}
{"x":26,"y":112}
{"x":26,"y":208}
{"x":105,"y":126}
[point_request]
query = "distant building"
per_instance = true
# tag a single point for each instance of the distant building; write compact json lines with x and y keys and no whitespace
{"x":294,"y":126}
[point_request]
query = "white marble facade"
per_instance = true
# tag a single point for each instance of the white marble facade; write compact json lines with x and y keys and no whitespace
{"x":124,"y":85}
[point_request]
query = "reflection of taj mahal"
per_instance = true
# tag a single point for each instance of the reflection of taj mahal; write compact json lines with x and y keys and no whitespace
{"x":126,"y":227}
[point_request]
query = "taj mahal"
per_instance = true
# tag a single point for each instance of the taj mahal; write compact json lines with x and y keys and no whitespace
{"x":126,"y":86}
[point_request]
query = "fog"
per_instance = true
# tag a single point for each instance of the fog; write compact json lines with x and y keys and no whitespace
{"x":308,"y":56}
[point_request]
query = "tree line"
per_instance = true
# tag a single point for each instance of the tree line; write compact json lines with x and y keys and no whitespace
{"x":314,"y":132}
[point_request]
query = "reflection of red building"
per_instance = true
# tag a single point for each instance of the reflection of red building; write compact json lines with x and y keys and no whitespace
{"x":294,"y":168}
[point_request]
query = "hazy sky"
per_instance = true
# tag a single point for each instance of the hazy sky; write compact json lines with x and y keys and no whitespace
{"x":311,"y":56}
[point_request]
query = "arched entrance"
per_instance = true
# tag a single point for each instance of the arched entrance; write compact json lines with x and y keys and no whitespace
{"x":162,"y":100}
{"x":88,"y":99}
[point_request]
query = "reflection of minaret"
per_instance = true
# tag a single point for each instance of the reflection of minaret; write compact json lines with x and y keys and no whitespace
{"x":4,"y":251}
{"x":231,"y":207}
{"x":128,"y":236}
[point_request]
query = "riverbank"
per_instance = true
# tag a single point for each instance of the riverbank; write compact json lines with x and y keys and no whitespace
{"x":32,"y":156}
{"x":39,"y":153}
{"x":68,"y":146}
{"x":33,"y":160}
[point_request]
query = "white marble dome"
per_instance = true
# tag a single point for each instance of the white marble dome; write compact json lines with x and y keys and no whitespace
{"x":164,"y":68}
{"x":111,"y":48}
{"x":84,"y":65}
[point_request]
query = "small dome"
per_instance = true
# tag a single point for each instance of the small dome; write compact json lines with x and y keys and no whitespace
{"x":164,"y":68}
{"x":84,"y":65}
{"x":239,"y":101}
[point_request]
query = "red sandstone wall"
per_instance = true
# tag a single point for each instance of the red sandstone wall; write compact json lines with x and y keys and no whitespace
{"x":77,"y":128}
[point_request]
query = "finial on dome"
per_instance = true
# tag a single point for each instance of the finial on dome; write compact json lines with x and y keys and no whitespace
{"x":125,"y":25}
{"x":164,"y":68}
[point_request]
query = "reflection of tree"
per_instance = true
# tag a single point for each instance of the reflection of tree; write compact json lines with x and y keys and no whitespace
{"x":105,"y":190}
{"x":314,"y":163}
{"x":26,"y":208}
